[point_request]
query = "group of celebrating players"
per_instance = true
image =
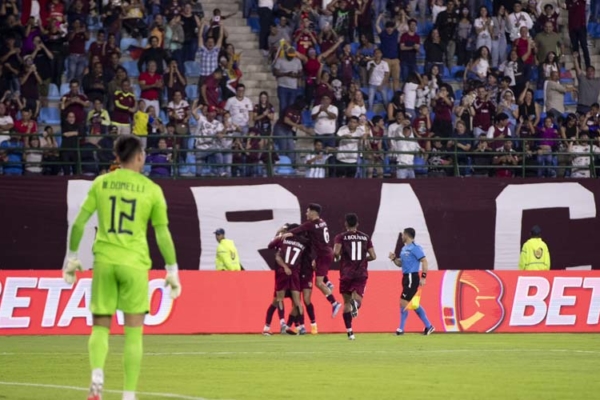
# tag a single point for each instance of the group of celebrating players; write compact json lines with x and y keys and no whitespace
{"x":304,"y":251}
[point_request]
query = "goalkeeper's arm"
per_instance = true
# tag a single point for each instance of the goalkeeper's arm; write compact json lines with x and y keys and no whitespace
{"x":167,"y":249}
{"x":77,"y":231}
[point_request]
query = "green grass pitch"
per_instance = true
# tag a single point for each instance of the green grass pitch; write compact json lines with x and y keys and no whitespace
{"x":329,"y":367}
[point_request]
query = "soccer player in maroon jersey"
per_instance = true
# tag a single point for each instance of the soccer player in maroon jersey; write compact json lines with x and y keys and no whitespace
{"x":354,"y":250}
{"x":318,"y":235}
{"x":287,"y":274}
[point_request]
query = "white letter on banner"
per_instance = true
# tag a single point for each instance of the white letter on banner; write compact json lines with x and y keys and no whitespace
{"x":10,"y":301}
{"x":523,"y":300}
{"x":399,"y":208}
{"x":594,"y":311}
{"x":559,"y":300}
{"x":165,"y":305}
{"x":76,"y":193}
{"x":213,"y":202}
{"x":55,"y":287}
{"x":82,"y":291}
{"x":513,"y":200}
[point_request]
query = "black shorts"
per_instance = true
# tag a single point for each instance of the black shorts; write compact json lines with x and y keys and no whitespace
{"x":410,"y":285}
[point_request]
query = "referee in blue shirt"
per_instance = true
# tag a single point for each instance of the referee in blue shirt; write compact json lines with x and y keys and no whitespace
{"x":410,"y":259}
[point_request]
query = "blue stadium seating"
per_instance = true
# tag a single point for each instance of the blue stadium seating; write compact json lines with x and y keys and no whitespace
{"x":539,"y":95}
{"x":136,"y":90}
{"x":191,"y":91}
{"x":284,"y":167}
{"x":254,"y":24}
{"x":192,"y":69}
{"x":53,"y":93}
{"x":131,"y":68}
{"x":354,"y":47}
{"x":127,"y":42}
{"x":307,"y":119}
{"x":50,"y":115}
{"x":569,"y":100}
{"x":64,"y":89}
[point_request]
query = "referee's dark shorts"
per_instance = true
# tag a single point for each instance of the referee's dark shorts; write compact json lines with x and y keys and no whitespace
{"x":410,"y":285}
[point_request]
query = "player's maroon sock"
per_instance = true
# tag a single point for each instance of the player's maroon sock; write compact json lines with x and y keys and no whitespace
{"x":291,"y":320}
{"x":270,"y":312}
{"x":325,"y":279}
{"x":300,"y":319}
{"x":331,"y":299}
{"x":348,"y":320}
{"x":281,"y":311}
{"x":310,"y":310}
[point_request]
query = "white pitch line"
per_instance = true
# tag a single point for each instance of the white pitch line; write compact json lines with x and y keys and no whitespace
{"x":341,"y":351}
{"x":81,"y":389}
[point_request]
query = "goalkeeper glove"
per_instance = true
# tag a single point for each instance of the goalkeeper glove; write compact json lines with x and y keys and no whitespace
{"x":71,"y":266}
{"x":172,"y":280}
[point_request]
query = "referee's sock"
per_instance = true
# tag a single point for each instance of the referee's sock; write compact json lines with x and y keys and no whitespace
{"x":403,"y":318}
{"x":421,"y":313}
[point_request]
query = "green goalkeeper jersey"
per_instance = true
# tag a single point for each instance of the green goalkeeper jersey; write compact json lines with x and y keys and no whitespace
{"x":125,"y":200}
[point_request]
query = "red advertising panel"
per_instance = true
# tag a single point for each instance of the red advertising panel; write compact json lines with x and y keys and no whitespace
{"x":40,"y":302}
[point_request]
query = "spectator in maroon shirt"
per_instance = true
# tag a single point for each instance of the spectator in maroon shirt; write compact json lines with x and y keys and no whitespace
{"x":30,"y":80}
{"x":482,"y":111}
{"x":74,"y":102}
{"x":210,"y":89}
{"x":11,"y":59}
{"x":549,"y":15}
{"x":95,"y":85}
{"x":77,"y":60}
{"x":97,"y":47}
{"x":442,"y":108}
{"x":174,"y":80}
{"x":578,"y":28}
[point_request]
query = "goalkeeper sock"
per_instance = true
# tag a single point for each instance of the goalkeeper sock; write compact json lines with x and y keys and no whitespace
{"x":132,"y":357}
{"x":98,"y":348}
{"x":403,"y":318}
{"x":421,"y":313}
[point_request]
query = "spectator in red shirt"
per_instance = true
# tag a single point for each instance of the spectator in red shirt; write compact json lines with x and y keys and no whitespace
{"x":26,"y":126}
{"x":77,"y":60}
{"x":210,"y":89}
{"x":482,"y":111}
{"x":74,"y":102}
{"x":304,"y":38}
{"x":525,"y":49}
{"x":151,"y":83}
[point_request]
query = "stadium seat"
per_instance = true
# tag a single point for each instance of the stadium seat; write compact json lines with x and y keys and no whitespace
{"x":370,"y":115}
{"x":284,"y":166}
{"x":446,"y":73}
{"x":535,"y":73}
{"x":307,"y":119}
{"x":53,"y":93}
{"x":50,"y":115}
{"x":539,"y":95}
{"x":128,"y":42}
{"x":144,"y":43}
{"x":354,"y":47}
{"x":569,"y":100}
{"x":131,"y":68}
{"x":458,"y":94}
{"x":88,"y":44}
{"x":192,"y":69}
{"x":164,"y":117}
{"x":191,"y":91}
{"x":136,"y":90}
{"x":64,"y":89}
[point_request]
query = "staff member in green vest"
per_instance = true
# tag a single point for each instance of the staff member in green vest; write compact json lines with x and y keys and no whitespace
{"x":535,"y":255}
{"x":227,"y":256}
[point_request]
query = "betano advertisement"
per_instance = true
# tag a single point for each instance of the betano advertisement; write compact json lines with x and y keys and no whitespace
{"x":41,"y":303}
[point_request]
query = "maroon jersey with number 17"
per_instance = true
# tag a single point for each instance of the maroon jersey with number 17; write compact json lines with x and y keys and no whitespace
{"x":318,"y":235}
{"x":290,"y":249}
{"x":353,"y":260}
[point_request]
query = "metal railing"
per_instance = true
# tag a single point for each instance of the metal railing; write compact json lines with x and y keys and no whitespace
{"x":522,"y":158}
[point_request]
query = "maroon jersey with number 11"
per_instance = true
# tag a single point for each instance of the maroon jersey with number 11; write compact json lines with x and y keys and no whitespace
{"x":353,"y":260}
{"x":318,"y":235}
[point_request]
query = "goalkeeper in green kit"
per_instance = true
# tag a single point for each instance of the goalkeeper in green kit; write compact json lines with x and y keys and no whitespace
{"x":125,"y":200}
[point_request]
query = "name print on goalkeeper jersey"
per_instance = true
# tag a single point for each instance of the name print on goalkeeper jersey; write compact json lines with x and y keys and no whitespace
{"x":125,"y":201}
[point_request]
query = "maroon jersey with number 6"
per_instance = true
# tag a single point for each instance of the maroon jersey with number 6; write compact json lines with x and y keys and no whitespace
{"x":318,"y":235}
{"x":353,"y":258}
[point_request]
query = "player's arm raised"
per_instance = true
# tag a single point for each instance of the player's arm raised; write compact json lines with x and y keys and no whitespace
{"x":87,"y":210}
{"x":282,"y":264}
{"x":160,"y":222}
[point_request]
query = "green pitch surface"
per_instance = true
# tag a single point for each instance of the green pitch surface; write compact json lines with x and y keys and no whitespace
{"x":329,"y":367}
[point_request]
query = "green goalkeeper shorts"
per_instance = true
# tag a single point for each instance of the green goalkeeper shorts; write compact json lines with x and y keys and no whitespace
{"x":119,"y":288}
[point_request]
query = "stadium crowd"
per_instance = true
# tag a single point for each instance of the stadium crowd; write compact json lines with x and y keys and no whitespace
{"x":377,"y":87}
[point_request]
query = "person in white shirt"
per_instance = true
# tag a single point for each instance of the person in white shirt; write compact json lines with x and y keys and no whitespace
{"x":410,"y":148}
{"x":410,"y":94}
{"x":325,"y":117}
{"x":346,"y":159}
{"x":6,"y":124}
{"x":240,"y":108}
{"x":179,"y":113}
{"x":484,"y":26}
{"x":395,"y":130}
{"x":379,"y":72}
{"x":518,"y":19}
{"x":316,"y":161}
{"x":209,"y":132}
{"x":581,"y":156}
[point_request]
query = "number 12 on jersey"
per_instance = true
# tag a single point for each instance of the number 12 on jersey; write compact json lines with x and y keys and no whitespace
{"x":122,"y":214}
